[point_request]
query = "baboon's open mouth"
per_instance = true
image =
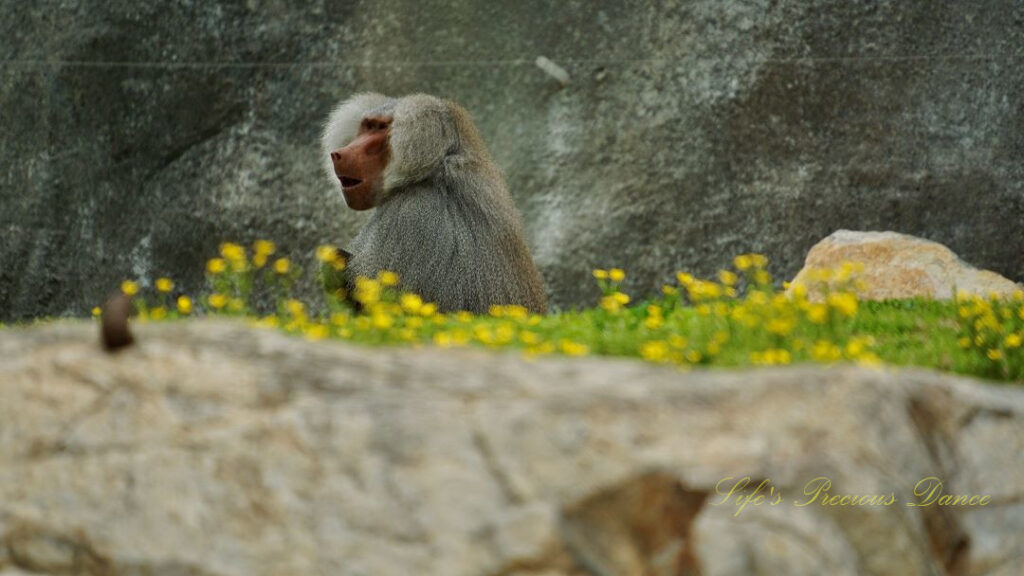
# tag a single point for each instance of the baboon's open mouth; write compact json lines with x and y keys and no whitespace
{"x":347,"y":182}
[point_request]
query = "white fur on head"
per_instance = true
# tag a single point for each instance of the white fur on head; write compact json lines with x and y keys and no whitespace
{"x":343,"y":125}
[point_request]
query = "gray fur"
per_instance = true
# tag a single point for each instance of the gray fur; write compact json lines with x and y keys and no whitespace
{"x":445,"y":222}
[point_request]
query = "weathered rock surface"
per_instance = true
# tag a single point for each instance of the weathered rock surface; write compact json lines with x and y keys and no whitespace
{"x":901,"y":266}
{"x":138,"y":135}
{"x":215,"y":449}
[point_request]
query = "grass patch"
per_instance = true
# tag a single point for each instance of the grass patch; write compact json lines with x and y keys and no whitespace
{"x":736,"y":319}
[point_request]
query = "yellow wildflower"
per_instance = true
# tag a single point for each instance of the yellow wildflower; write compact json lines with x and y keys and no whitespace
{"x":263,"y":247}
{"x":504,"y":333}
{"x":616,"y":275}
{"x":610,"y":304}
{"x":411,"y":303}
{"x":96,"y":311}
{"x":654,"y":351}
{"x":184,"y":304}
{"x":529,"y":338}
{"x":232,"y":252}
{"x":762,"y":277}
{"x":158,"y":313}
{"x":677,"y":341}
{"x":798,"y":291}
{"x":844,"y":302}
{"x":824,"y":351}
{"x":601,"y":274}
{"x":316,"y":332}
{"x":783,"y":357}
{"x":1013,"y":340}
{"x":268,"y":322}
{"x":869,"y":359}
{"x":483,"y":334}
{"x":781,"y":326}
{"x":282,"y":265}
{"x":382,"y":321}
{"x":570,"y":348}
{"x":326,"y":253}
{"x":295,"y":307}
{"x":367,"y":291}
{"x":388,"y":278}
{"x":217,"y":300}
{"x":994,"y":354}
{"x":727,"y":277}
{"x":130,"y":287}
{"x":855,"y":348}
{"x":743,"y":262}
{"x":817,"y":313}
{"x":757,"y":298}
{"x":516,"y":311}
{"x":164,"y":285}
{"x":771,"y":357}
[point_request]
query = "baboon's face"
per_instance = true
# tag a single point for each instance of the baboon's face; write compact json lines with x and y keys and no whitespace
{"x":360,"y":164}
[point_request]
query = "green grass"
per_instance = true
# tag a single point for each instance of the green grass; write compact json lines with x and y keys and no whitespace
{"x":693,"y":323}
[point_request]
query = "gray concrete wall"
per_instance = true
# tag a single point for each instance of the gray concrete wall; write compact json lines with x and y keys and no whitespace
{"x":136,"y":136}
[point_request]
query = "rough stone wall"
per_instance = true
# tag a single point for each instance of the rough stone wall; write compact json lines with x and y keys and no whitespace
{"x":136,"y":136}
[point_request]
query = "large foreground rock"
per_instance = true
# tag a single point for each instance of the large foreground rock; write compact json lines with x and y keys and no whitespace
{"x":138,"y":135}
{"x":216,"y":449}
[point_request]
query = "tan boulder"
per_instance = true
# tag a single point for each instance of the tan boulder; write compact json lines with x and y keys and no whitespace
{"x":217,"y":449}
{"x":893,"y":265}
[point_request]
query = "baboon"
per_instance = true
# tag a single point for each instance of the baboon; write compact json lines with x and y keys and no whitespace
{"x":443,"y":219}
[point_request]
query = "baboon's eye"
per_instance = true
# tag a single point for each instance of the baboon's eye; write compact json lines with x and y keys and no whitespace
{"x":375,"y":123}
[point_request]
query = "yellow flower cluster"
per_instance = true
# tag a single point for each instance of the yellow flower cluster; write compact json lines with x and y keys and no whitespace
{"x":612,"y":300}
{"x":261,"y":251}
{"x":738,"y":317}
{"x":614,"y":274}
{"x":777,"y":326}
{"x":615,"y":301}
{"x":165,"y":304}
{"x":993,"y":328}
{"x":234,"y":256}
